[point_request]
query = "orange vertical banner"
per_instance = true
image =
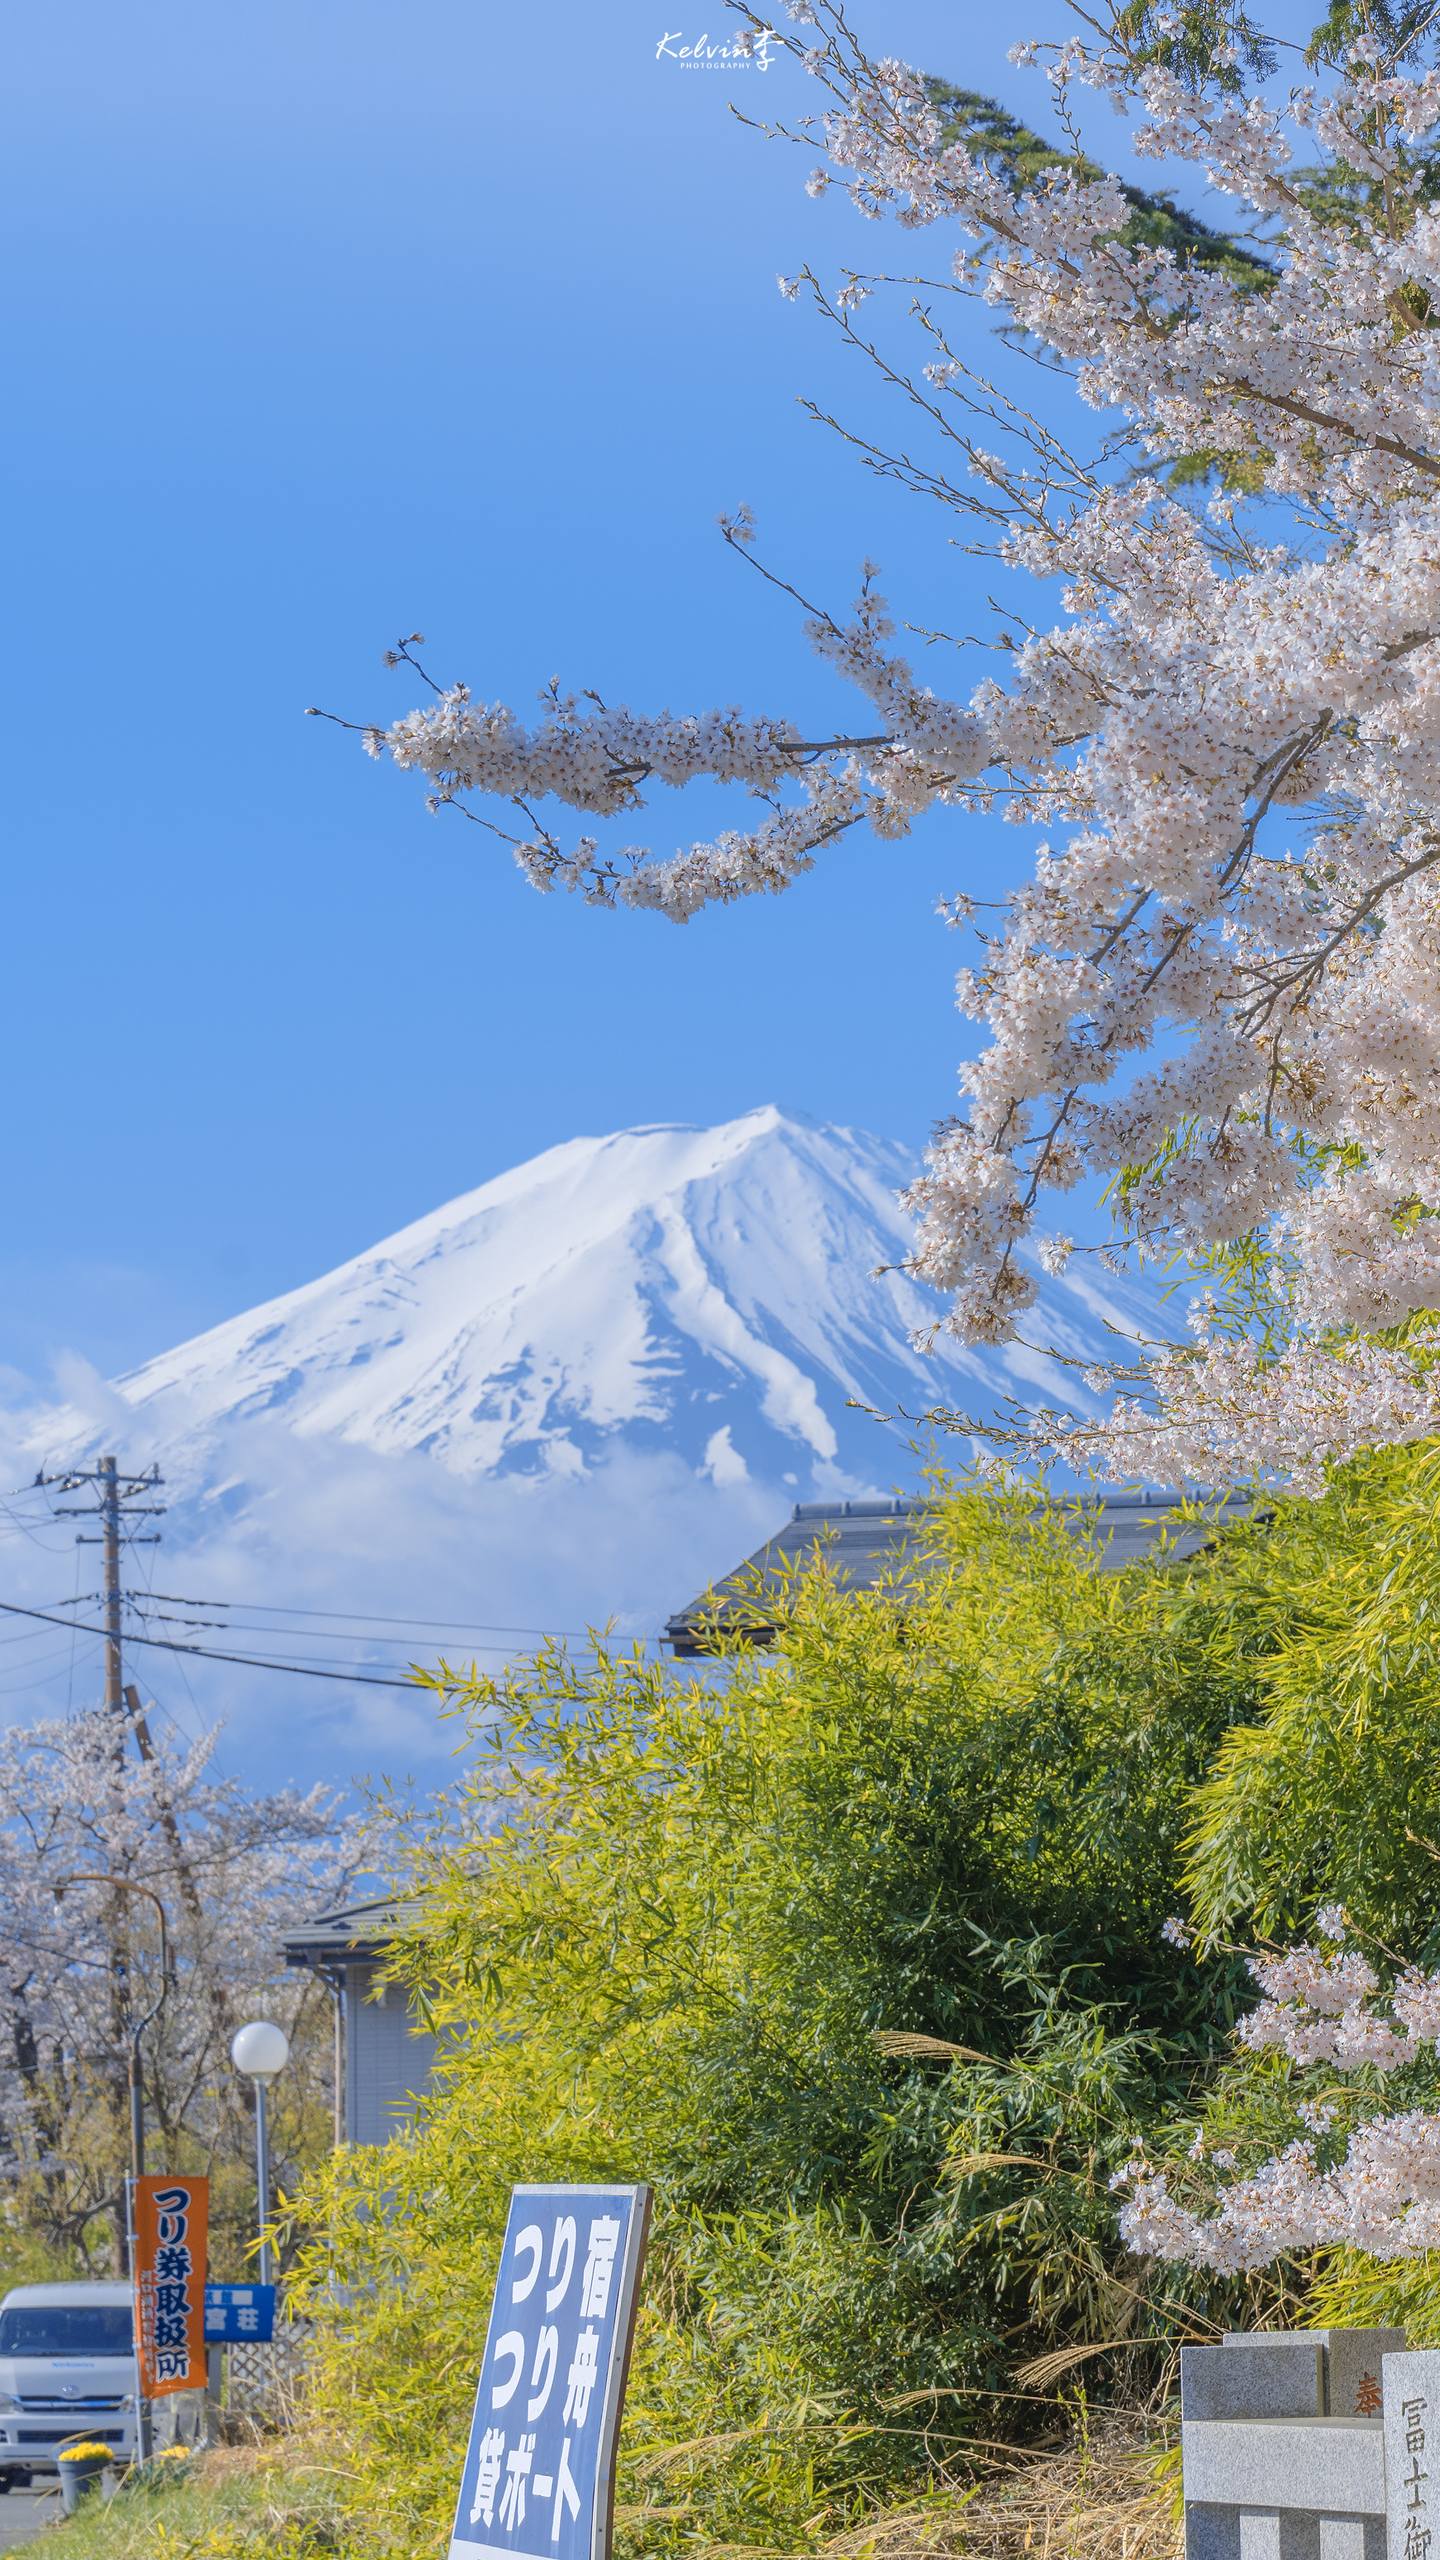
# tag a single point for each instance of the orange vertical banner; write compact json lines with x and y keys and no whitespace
{"x":172,"y":2217}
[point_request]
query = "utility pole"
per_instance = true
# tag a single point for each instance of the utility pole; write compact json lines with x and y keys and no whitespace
{"x":118,"y":1502}
{"x":110,"y":1540}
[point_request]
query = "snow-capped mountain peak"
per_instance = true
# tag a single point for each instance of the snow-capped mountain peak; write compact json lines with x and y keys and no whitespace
{"x":724,"y":1294}
{"x":571,"y":1398}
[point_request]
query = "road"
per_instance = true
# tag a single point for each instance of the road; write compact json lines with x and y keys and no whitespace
{"x":24,"y":2512}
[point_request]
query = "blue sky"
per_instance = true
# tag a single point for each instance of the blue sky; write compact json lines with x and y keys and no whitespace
{"x":326,"y":322}
{"x":323,"y":323}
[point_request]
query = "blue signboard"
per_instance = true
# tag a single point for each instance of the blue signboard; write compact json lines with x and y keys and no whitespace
{"x":539,"y":2474}
{"x":234,"y":2312}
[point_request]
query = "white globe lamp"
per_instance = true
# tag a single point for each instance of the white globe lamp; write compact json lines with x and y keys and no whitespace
{"x":261,"y":2051}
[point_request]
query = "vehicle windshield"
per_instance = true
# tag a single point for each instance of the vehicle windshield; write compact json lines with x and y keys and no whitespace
{"x":66,"y":2329}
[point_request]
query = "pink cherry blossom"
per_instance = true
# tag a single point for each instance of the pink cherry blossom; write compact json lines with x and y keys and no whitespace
{"x":1221,"y":718}
{"x":1323,"y":2006}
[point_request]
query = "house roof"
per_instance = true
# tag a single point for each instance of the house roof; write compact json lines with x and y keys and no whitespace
{"x":863,"y":1542}
{"x":339,"y":1937}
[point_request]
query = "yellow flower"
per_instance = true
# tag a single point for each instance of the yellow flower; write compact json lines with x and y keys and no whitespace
{"x":85,"y":2452}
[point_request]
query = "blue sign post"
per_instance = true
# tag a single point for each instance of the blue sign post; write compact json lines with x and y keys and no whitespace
{"x":539,"y":2476}
{"x":239,"y":2312}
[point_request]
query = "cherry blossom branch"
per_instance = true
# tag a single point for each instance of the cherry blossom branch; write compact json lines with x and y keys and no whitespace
{"x":1219,"y":980}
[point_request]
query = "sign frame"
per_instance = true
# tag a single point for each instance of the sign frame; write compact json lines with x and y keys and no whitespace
{"x":223,"y":2305}
{"x":628,"y":2266}
{"x":159,"y":2202}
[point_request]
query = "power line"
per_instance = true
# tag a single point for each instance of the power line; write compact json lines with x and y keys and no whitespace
{"x":119,"y":1499}
{"x":40,"y":1664}
{"x":205,"y":1730}
{"x":211,"y":1653}
{"x":359,"y":1617}
{"x":25,"y":1530}
{"x":249,"y":1626}
{"x":365,"y":1642}
{"x":26,"y":1639}
{"x":72,"y":1603}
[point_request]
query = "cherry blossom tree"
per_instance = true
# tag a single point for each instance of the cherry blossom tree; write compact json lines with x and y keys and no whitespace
{"x":1213,"y":697}
{"x":1355,"y":2175}
{"x":82,"y":1964}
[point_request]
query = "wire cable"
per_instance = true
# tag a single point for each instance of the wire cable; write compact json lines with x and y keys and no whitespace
{"x":41,"y":1665}
{"x":360,"y":1618}
{"x":249,"y":1661}
{"x":74,"y":1638}
{"x":46,"y":1545}
{"x":206,"y":1729}
{"x":307,"y":1654}
{"x":27,"y":1637}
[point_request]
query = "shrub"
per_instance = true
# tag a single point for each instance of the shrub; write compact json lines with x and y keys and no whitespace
{"x":855,"y":1954}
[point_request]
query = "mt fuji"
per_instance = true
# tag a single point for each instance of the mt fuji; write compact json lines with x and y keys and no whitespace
{"x":572,"y":1396}
{"x":717,"y":1295}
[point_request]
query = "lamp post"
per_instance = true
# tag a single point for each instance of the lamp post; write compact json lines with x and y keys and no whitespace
{"x":261,"y":2051}
{"x":136,"y":2025}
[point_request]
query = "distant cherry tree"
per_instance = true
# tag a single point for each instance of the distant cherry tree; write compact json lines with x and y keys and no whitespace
{"x":91,"y":1827}
{"x":1214,"y":694}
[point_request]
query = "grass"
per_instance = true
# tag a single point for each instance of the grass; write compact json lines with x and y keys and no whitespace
{"x":274,"y":2502}
{"x":1097,"y":2498}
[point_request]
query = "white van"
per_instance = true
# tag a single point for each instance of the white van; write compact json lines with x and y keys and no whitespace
{"x":67,"y":2369}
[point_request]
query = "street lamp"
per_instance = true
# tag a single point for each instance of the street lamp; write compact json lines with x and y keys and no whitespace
{"x":137,"y":2025}
{"x":261,"y":2050}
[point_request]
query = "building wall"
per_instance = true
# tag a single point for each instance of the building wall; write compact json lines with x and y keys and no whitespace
{"x":388,"y":2058}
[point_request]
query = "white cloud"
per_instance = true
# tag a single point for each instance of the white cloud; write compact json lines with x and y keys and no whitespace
{"x":301,"y":1525}
{"x":723,"y":1462}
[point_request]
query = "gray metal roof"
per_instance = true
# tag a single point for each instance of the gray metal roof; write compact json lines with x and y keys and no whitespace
{"x":337,"y":1937}
{"x":863,"y":1542}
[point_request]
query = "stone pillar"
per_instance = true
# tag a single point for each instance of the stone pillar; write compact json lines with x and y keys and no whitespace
{"x":1283,"y":2449}
{"x":1411,"y":2386}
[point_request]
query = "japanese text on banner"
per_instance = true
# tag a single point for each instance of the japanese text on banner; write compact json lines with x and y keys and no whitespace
{"x":539,"y":2470}
{"x":171,"y":2228}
